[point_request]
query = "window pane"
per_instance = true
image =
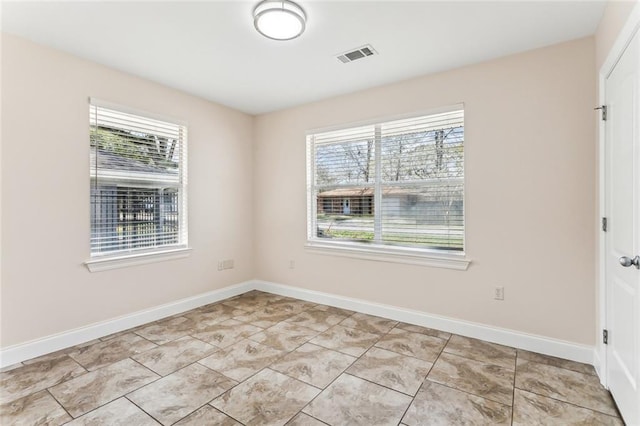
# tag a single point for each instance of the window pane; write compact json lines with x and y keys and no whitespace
{"x":402,"y":184}
{"x":425,"y":154}
{"x":344,"y":163}
{"x":424,"y":216}
{"x":128,"y":218}
{"x":137,"y":168}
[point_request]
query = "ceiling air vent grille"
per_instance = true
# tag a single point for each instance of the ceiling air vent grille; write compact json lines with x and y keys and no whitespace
{"x":359,"y":53}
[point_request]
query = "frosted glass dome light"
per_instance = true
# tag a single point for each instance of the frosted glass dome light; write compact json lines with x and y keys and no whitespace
{"x":279,"y":19}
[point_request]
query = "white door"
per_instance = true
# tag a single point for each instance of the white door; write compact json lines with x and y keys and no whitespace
{"x":346,"y":208}
{"x":622,"y":239}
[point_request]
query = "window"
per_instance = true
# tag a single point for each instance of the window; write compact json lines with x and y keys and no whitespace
{"x":396,"y":185}
{"x":138,"y":183}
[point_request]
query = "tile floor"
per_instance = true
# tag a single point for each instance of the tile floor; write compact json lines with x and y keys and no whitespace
{"x":262,"y":359}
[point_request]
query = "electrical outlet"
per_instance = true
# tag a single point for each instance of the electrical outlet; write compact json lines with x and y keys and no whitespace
{"x":292,"y":264}
{"x":498,"y":293}
{"x":220,"y":265}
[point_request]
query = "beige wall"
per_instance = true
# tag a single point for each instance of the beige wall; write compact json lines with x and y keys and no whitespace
{"x":45,"y":195}
{"x":615,"y":15}
{"x":530,"y":195}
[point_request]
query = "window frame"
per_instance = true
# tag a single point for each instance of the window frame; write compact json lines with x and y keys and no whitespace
{"x":421,"y":256}
{"x":98,"y":262}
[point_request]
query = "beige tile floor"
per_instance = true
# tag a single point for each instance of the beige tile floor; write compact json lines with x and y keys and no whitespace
{"x":262,"y":359}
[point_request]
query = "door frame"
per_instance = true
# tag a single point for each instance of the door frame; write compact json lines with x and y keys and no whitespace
{"x":622,"y":41}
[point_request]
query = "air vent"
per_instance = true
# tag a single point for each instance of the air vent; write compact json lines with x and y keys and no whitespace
{"x":359,"y":53}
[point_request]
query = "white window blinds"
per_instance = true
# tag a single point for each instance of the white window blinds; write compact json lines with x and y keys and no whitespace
{"x":396,"y":183}
{"x":138,"y":175}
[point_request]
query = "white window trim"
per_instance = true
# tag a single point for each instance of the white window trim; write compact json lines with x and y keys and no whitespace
{"x":135,"y":111}
{"x":377,"y":252}
{"x":105,"y":263}
{"x":420,"y":257}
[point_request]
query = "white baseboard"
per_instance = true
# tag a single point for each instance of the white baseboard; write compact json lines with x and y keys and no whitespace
{"x":517,"y":339}
{"x":24,"y":351}
{"x":540,"y":344}
{"x":597,"y":364}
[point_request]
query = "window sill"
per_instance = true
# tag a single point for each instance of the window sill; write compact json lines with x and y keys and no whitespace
{"x":106,"y":263}
{"x":456,"y":261}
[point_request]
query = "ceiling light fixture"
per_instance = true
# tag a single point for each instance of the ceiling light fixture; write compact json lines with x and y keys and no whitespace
{"x":279,"y":19}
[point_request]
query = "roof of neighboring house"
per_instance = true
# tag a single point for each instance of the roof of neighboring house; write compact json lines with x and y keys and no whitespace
{"x":111,"y":161}
{"x":347,"y":192}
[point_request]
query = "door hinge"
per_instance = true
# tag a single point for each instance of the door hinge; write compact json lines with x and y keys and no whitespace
{"x":604,"y":112}
{"x":604,"y":224}
{"x":605,"y":337}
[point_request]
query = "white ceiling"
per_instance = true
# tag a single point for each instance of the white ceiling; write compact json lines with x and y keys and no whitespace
{"x":211,"y":49}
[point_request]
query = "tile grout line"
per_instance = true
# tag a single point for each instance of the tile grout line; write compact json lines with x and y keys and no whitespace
{"x":222,"y":412}
{"x":126,"y":396}
{"x":406,"y":410}
{"x":446,"y":341}
{"x":222,"y":374}
{"x":59,"y":403}
{"x":142,"y":337}
{"x":379,"y":384}
{"x":413,"y":399}
{"x":219,"y":411}
{"x":335,"y":350}
{"x":479,"y":361}
{"x":560,"y":368}
{"x":315,"y":418}
{"x":570,"y":403}
{"x":431,"y":369}
{"x":467,"y":392}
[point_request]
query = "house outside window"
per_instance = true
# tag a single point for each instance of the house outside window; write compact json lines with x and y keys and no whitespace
{"x":138,"y":183}
{"x":393,"y":185}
